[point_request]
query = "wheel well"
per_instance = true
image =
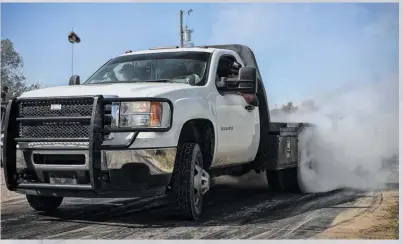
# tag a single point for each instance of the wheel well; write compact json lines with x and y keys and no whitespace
{"x":200,"y":131}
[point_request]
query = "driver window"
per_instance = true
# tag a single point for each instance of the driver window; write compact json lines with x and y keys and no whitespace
{"x":226,"y":68}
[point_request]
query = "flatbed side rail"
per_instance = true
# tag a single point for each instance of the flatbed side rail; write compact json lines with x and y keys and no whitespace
{"x":14,"y":120}
{"x":290,"y":129}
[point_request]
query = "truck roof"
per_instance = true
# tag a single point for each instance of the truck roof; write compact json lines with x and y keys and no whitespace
{"x":171,"y":49}
{"x":243,"y":51}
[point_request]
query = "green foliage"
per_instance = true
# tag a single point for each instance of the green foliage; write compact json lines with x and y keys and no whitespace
{"x":12,"y":70}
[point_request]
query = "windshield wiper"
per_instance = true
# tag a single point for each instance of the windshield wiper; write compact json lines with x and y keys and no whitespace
{"x":161,"y":80}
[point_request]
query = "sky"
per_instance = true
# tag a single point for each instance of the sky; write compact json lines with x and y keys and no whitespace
{"x":302,"y":49}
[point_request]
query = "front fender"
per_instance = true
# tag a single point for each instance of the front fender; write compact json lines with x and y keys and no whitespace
{"x":186,"y":109}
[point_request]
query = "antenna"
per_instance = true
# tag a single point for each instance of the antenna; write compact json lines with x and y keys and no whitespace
{"x":188,"y":36}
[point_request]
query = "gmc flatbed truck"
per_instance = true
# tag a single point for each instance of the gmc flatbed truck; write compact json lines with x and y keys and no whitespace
{"x":162,"y":121}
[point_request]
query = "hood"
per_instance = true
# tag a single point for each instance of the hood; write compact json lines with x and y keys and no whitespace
{"x":121,"y":90}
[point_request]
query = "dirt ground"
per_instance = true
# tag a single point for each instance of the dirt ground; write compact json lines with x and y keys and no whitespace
{"x":6,"y":195}
{"x":379,"y":221}
{"x":366,"y":218}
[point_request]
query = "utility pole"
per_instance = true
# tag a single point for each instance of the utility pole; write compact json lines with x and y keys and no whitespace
{"x":181,"y":26}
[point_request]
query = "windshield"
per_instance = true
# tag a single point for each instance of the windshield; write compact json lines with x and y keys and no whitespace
{"x":176,"y":67}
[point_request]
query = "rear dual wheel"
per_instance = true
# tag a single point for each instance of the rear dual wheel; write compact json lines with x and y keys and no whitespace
{"x":285,"y":180}
{"x":299,"y":179}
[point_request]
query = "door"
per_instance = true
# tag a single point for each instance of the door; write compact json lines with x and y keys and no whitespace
{"x":237,"y":121}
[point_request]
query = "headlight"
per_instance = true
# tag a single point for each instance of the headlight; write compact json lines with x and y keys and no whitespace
{"x":141,"y":114}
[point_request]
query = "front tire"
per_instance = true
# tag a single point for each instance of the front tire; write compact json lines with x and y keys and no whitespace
{"x":189,"y":181}
{"x":44,"y":203}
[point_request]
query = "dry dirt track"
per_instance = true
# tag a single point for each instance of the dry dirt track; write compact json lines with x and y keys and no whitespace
{"x":232,"y":212}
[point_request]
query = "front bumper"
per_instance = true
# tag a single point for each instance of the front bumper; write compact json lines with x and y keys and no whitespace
{"x":85,"y":166}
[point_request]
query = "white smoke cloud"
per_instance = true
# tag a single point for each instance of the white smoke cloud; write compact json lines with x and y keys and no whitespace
{"x":355,"y":133}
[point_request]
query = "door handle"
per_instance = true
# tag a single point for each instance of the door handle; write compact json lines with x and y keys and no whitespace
{"x":249,"y":107}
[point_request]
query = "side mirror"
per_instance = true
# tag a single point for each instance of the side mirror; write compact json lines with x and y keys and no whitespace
{"x":245,"y":83}
{"x":74,"y":80}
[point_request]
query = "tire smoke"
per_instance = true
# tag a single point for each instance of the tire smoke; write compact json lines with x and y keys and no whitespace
{"x":354,"y":142}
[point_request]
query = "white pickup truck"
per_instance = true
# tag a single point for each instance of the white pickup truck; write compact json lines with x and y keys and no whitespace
{"x":160,"y":121}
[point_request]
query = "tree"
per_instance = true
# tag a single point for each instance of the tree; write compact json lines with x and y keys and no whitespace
{"x":289,"y":108}
{"x":11,"y":70}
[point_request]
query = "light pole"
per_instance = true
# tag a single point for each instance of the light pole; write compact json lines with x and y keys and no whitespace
{"x":73,"y":38}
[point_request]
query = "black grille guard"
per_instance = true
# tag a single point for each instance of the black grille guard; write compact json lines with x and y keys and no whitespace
{"x":10,"y":126}
{"x":3,"y":113}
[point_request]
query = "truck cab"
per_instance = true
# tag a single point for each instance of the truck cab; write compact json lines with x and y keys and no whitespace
{"x":154,"y":122}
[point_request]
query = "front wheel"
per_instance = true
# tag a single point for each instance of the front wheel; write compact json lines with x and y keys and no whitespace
{"x":189,"y":181}
{"x":44,"y":203}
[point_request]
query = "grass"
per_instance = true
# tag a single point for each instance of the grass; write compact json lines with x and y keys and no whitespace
{"x":394,"y":220}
